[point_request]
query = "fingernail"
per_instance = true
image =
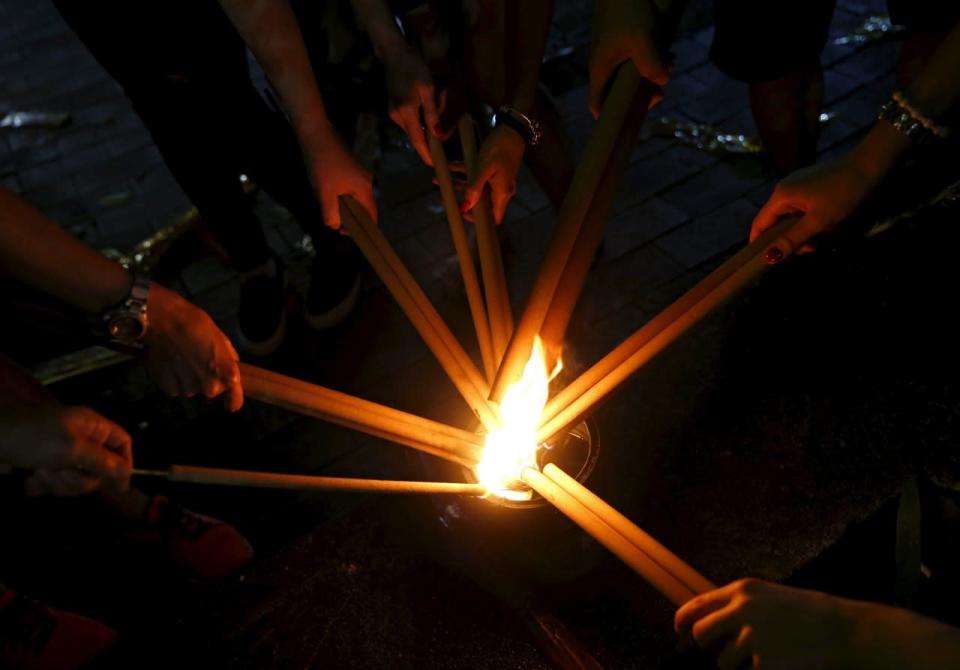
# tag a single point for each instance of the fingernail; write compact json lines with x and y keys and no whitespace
{"x":773,"y":255}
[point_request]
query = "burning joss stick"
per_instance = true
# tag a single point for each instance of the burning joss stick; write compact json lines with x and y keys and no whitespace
{"x":585,"y":392}
{"x":471,"y":282}
{"x":606,"y":530}
{"x":342,"y":409}
{"x":218,"y":476}
{"x":589,"y":173}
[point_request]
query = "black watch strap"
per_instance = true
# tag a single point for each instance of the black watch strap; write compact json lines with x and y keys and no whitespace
{"x":528,"y":128}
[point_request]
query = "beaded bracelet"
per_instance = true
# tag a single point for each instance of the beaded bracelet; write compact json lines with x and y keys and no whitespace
{"x":908,"y":120}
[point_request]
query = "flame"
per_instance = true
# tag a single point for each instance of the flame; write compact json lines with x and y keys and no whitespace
{"x":513,"y":447}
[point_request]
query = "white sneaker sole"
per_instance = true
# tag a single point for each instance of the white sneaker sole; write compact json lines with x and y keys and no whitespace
{"x":266,"y":347}
{"x":338,"y":314}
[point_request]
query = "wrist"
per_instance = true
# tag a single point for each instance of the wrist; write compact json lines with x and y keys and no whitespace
{"x":879,"y":152}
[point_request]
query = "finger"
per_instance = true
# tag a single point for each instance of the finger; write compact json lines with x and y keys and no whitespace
{"x":737,"y":652}
{"x":458,"y":168}
{"x":95,"y":459}
{"x":501,"y":198}
{"x":655,"y":99}
{"x":71,"y":483}
{"x":474,"y":190}
{"x":704,"y":604}
{"x":233,"y":387}
{"x":441,"y":107}
{"x":427,"y":101}
{"x":119,"y":442}
{"x":776,"y":207}
{"x":233,"y":397}
{"x":710,"y":631}
{"x":793,"y":239}
{"x":61,"y":483}
{"x":602,"y":65}
{"x":647,"y":61}
{"x":418,"y":140}
{"x":212,"y":387}
{"x":330,"y":204}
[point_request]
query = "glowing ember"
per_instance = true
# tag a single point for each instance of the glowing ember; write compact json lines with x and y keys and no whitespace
{"x":513,"y":447}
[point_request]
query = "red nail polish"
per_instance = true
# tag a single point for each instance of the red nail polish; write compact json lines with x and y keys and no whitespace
{"x":773,"y":255}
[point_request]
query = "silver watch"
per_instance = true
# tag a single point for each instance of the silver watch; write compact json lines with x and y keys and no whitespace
{"x":127,"y":324}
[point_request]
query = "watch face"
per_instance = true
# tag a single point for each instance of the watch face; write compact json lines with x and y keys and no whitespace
{"x":126,"y":328}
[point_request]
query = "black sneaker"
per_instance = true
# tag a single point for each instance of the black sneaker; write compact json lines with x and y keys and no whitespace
{"x":262,"y":322}
{"x":334,"y":285}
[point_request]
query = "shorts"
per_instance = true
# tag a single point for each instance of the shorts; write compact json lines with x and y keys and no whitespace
{"x":760,"y":40}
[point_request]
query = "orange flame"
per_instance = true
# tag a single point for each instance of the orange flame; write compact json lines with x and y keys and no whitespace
{"x":513,"y":447}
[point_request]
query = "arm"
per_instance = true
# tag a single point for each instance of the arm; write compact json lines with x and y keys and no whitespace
{"x":622,"y":30}
{"x":184,"y":350}
{"x":526,"y":25}
{"x":410,"y":88}
{"x":270,"y":29}
{"x":70,"y":450}
{"x":768,"y":625}
{"x":829,"y":193}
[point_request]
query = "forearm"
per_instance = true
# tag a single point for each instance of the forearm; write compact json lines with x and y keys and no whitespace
{"x":936,"y":90}
{"x":890,"y":638}
{"x":526,"y":26}
{"x":38,"y":253}
{"x":376,"y":19}
{"x":270,"y":30}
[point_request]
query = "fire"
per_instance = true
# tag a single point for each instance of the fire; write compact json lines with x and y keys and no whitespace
{"x":513,"y":447}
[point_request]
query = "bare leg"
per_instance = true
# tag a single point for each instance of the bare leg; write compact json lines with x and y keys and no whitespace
{"x":786,"y":112}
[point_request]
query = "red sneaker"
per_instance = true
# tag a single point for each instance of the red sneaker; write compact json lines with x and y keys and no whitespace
{"x":198,"y":544}
{"x":34,"y":637}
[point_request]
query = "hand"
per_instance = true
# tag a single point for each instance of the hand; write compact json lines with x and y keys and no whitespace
{"x":186,"y":354}
{"x":497,"y":166}
{"x":335,"y":172}
{"x":756,"y":624}
{"x":823,"y":195}
{"x":411,"y":92}
{"x":71,"y":450}
{"x":623,"y":31}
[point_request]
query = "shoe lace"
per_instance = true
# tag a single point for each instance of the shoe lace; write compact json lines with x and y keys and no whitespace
{"x":26,"y":625}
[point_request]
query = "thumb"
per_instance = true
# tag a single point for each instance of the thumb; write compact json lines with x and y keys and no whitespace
{"x":429,"y":106}
{"x":474,"y":190}
{"x":330,"y":204}
{"x":647,"y":60}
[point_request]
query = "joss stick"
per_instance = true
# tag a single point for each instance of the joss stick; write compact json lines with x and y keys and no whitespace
{"x":659,"y":553}
{"x":655,"y":574}
{"x":586,"y":178}
{"x":218,"y":476}
{"x":358,"y":414}
{"x":579,"y":397}
{"x":428,"y":323}
{"x":488,"y":248}
{"x":471,"y":283}
{"x":574,"y":274}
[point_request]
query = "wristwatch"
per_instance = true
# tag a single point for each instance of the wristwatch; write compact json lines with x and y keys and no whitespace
{"x":528,"y":128}
{"x":128,"y":322}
